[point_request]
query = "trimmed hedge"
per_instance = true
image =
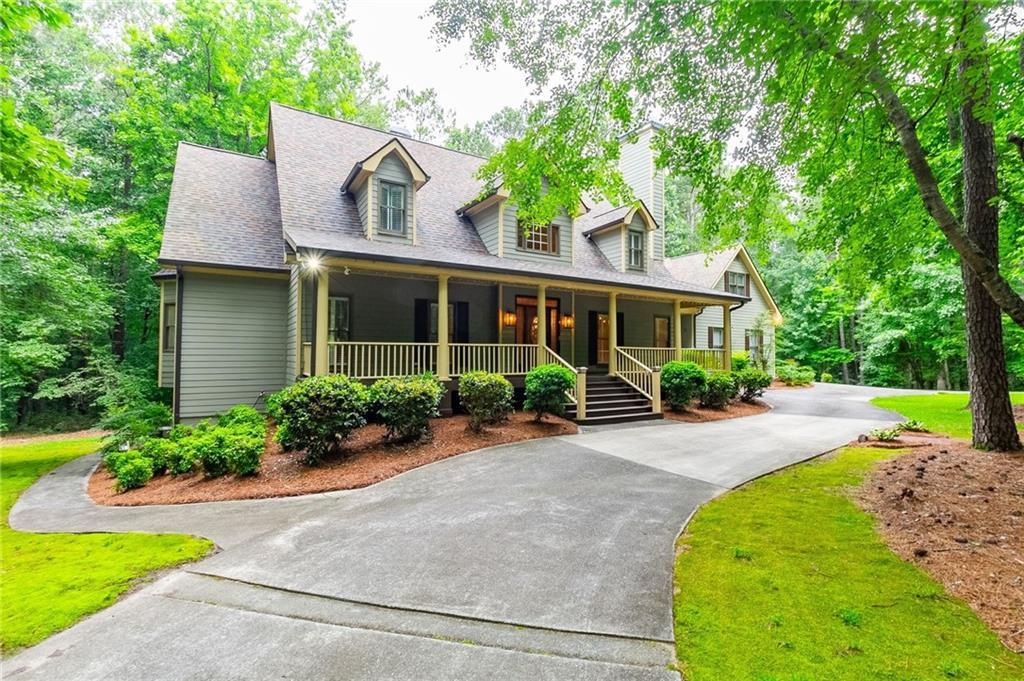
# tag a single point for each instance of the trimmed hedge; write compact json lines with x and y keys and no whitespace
{"x":406,"y":405}
{"x":681,"y":383}
{"x":545,"y":389}
{"x":486,"y":397}
{"x":159,"y":451}
{"x":318,"y":412}
{"x":131,"y":469}
{"x":720,"y":388}
{"x":752,"y":383}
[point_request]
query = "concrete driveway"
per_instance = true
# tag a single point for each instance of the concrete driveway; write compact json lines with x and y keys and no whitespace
{"x":549,"y":559}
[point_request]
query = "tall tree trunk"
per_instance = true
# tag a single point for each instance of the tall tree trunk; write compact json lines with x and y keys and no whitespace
{"x":993,"y":424}
{"x":842,"y":344}
{"x":118,"y":333}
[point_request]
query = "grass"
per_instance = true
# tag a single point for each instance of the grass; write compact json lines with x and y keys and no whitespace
{"x":50,"y":581}
{"x":786,"y":579}
{"x":944,"y":413}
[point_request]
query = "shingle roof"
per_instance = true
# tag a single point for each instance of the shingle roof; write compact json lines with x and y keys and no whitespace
{"x":227,"y":206}
{"x":704,"y":269}
{"x":223,"y":211}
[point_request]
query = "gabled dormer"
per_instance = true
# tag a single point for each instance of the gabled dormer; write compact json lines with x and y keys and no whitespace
{"x":494,"y":217}
{"x":384,"y":187}
{"x":626,"y":237}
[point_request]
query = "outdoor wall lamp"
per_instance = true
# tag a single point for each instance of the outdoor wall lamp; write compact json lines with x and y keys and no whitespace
{"x":508,"y":318}
{"x":568,"y":321}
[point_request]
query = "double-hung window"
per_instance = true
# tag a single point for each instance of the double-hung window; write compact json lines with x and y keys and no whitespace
{"x":392,"y":208}
{"x":543,"y":239}
{"x":736,"y":282}
{"x":635,"y":246}
{"x":716,"y":337}
{"x":339,"y":315}
{"x":170,"y":326}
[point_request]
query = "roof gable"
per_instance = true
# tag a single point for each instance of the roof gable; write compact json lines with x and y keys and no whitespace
{"x":363,"y":169}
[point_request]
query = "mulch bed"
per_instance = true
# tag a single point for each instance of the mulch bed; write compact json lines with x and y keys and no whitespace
{"x":779,"y":385}
{"x":958,"y":513}
{"x":366,"y":459}
{"x":697,"y":414}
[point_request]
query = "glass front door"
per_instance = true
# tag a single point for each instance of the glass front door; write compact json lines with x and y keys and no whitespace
{"x":527,"y":321}
{"x":602,"y":338}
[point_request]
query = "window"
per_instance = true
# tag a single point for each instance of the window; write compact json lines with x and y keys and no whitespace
{"x":636,"y":250}
{"x":662,"y":334}
{"x":736,"y":282}
{"x":716,"y":337}
{"x":540,"y":239}
{"x":170,"y":326}
{"x":339,"y":315}
{"x":754,"y":342}
{"x":392,"y":207}
{"x":433,"y":323}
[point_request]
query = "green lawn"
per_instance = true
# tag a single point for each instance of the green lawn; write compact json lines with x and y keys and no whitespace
{"x":50,"y":581}
{"x":786,"y":579}
{"x":944,"y":413}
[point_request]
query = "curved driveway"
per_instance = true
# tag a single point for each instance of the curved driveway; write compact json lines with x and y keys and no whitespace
{"x":549,"y":559}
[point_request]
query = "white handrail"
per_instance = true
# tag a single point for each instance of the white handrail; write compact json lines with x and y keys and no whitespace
{"x":508,"y":359}
{"x":634,"y":372}
{"x":357,"y":359}
{"x":652,"y":357}
{"x":711,"y":359}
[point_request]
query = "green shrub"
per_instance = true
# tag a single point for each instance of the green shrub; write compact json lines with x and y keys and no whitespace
{"x":114,"y":460}
{"x":319,"y":412}
{"x":886,"y":434}
{"x":242,"y":415}
{"x":159,"y":451}
{"x":133,"y":470}
{"x":182,"y":460}
{"x":486,"y":397}
{"x":133,"y":424}
{"x":545,"y":389}
{"x":751,"y":383}
{"x":720,"y":388}
{"x":913,"y":426}
{"x":826,"y":377}
{"x":406,"y":405}
{"x":179,"y":432}
{"x":245,"y":452}
{"x":740,"y":361}
{"x":209,"y":449}
{"x":681,"y":383}
{"x":792,"y":373}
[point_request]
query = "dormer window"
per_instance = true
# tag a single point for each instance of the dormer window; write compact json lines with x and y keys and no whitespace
{"x":542,"y":239}
{"x":392,"y":208}
{"x":636,"y":250}
{"x":738,"y":283}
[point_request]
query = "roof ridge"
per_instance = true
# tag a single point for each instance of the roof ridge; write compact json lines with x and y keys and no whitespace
{"x":370,"y":127}
{"x":223,"y":151}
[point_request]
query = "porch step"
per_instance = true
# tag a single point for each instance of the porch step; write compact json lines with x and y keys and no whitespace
{"x":612,"y":400}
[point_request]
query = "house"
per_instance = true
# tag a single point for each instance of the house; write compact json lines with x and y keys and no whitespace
{"x":346,"y":249}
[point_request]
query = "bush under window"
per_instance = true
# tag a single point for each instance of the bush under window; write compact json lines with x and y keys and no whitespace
{"x":681,"y":383}
{"x":486,"y":397}
{"x":752,"y":383}
{"x":317,"y":413}
{"x":720,"y":388}
{"x":546,"y":386}
{"x":405,"y":405}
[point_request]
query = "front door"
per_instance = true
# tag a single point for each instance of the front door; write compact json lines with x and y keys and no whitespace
{"x":598,"y":333}
{"x":527,"y":321}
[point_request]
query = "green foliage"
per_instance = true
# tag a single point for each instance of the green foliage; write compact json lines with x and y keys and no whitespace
{"x":885,"y":434}
{"x":318,"y":412}
{"x":132,"y":470}
{"x":244,"y":416}
{"x":131,"y":425}
{"x":792,"y":373}
{"x":681,"y":383}
{"x":486,"y":397}
{"x":182,"y":460}
{"x":912,"y":426}
{"x":159,"y":451}
{"x":826,"y":377}
{"x":721,"y":387}
{"x":546,"y":386}
{"x":751,"y":383}
{"x":945,"y":413}
{"x":740,"y":360}
{"x":406,"y":405}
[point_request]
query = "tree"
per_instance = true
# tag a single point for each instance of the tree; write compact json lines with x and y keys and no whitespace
{"x":836,"y":99}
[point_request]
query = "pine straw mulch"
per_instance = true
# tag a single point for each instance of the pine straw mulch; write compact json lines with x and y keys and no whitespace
{"x":958,"y":513}
{"x":698,"y":414}
{"x":365,"y":459}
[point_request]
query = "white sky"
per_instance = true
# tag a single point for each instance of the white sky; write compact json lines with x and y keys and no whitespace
{"x":396,"y":34}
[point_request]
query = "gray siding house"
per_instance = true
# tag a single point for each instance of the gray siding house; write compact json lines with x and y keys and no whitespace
{"x":353,"y":250}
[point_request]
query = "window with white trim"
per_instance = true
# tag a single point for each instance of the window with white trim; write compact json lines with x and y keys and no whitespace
{"x":736,"y":282}
{"x":636,"y":250}
{"x":392,"y":207}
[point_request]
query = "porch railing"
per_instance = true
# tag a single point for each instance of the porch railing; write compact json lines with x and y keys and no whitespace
{"x":713,"y":360}
{"x":508,"y":359}
{"x":552,"y":357}
{"x":380,"y":360}
{"x":645,"y":379}
{"x":652,"y":357}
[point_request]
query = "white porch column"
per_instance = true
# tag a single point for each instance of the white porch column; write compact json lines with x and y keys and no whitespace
{"x":320,"y":342}
{"x":677,"y":329}
{"x":442,"y":327}
{"x":727,"y":337}
{"x":542,"y":322}
{"x":613,"y":332}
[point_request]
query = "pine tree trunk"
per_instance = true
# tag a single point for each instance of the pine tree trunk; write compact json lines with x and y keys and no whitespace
{"x":993,"y":424}
{"x":842,"y":344}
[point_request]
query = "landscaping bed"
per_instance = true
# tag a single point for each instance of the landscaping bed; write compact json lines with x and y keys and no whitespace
{"x":365,"y":459}
{"x":736,"y":409}
{"x":958,"y":513}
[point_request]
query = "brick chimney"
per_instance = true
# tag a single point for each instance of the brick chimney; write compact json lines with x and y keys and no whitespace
{"x":636,"y":163}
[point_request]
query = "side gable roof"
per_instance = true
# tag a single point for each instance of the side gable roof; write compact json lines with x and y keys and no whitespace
{"x":707,"y":269}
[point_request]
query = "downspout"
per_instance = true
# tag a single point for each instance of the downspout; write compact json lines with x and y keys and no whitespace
{"x":178,"y":299}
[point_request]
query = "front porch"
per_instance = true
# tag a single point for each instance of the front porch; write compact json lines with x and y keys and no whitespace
{"x":371,"y":322}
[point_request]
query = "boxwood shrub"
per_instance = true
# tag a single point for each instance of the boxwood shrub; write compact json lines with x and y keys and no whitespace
{"x":405,"y":405}
{"x":752,"y":383}
{"x":242,"y":415}
{"x":133,"y":470}
{"x":545,"y":389}
{"x":681,"y":383}
{"x":486,"y":397}
{"x":720,"y":388}
{"x":159,"y":451}
{"x":319,"y":412}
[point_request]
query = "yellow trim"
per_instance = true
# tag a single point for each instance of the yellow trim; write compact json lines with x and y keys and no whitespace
{"x":160,"y":342}
{"x":371,"y":212}
{"x":443,"y":357}
{"x":500,"y":195}
{"x":299,"y":352}
{"x":412,"y":199}
{"x":649,"y":222}
{"x":501,"y":228}
{"x":369,"y":166}
{"x":235,"y":273}
{"x":322,"y":292}
{"x":624,"y":230}
{"x":751,"y":267}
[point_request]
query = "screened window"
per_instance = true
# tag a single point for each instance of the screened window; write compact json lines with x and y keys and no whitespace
{"x":716,"y":337}
{"x":170,"y":326}
{"x":736,"y":282}
{"x":339,"y":315}
{"x":392,"y":207}
{"x":539,"y":239}
{"x":636,"y":250}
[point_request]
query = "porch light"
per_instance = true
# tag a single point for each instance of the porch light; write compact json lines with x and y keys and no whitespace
{"x":568,"y":321}
{"x":508,"y":318}
{"x":313,"y":263}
